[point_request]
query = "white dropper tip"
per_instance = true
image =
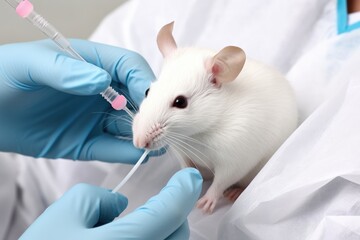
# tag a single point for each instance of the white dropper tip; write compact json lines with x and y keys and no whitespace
{"x":128,"y":176}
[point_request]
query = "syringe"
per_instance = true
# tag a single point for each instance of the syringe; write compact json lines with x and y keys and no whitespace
{"x":25,"y":9}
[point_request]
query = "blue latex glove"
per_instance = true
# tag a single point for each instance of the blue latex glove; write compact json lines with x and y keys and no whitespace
{"x":86,"y":212}
{"x":50,"y":104}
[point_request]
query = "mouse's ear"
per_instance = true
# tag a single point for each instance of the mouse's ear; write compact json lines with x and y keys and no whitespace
{"x":226,"y":64}
{"x":165,"y":40}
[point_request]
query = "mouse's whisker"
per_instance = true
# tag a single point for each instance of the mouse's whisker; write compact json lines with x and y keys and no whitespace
{"x":187,"y":147}
{"x":178,"y":156}
{"x":123,"y":121}
{"x":111,"y":122}
{"x":106,"y":113}
{"x":187,"y":144}
{"x":125,"y":118}
{"x":178,"y":149}
{"x":129,"y":100}
{"x":107,"y":116}
{"x":174,"y":153}
{"x":125,"y":133}
{"x":130,"y":114}
{"x":128,"y":121}
{"x":191,"y":139}
{"x":124,"y":138}
{"x":191,"y":159}
{"x":114,"y":116}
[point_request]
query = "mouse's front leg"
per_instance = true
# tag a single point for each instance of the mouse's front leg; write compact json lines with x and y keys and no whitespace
{"x":224,"y":178}
{"x":208,"y":202}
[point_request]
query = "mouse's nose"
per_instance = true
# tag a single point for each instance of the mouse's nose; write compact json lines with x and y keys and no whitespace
{"x":146,"y":137}
{"x":141,"y":142}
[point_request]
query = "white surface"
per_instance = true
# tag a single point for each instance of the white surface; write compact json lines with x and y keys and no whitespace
{"x":310,"y":188}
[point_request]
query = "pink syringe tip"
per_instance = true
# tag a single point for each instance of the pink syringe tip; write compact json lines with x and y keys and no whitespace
{"x":24,"y":8}
{"x":119,"y":102}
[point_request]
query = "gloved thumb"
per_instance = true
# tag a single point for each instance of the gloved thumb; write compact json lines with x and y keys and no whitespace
{"x":77,"y":211}
{"x":164,"y":214}
{"x":94,"y":206}
{"x":75,"y":77}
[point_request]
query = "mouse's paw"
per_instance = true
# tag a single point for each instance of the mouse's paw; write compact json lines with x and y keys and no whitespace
{"x":233,"y":192}
{"x":207,"y":203}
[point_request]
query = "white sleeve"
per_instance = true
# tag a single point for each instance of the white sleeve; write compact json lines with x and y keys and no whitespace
{"x":277,"y":32}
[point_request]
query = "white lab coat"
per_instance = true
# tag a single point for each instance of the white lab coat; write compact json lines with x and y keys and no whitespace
{"x":310,"y":188}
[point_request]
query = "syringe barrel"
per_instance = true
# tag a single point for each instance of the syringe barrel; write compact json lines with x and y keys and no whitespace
{"x":109,"y":94}
{"x":25,"y":9}
{"x":49,"y":30}
{"x":13,"y":3}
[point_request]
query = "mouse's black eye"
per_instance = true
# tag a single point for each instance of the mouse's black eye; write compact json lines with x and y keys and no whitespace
{"x":180,"y":102}
{"x":147,"y":92}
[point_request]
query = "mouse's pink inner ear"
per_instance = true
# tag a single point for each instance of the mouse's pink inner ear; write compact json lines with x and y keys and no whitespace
{"x":226,"y":64}
{"x":165,"y":40}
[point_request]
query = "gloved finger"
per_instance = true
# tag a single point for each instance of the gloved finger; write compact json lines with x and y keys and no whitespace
{"x":164,"y":213}
{"x":181,"y":233}
{"x":158,"y":152}
{"x":40,"y":64}
{"x":125,"y":67}
{"x":108,"y":148}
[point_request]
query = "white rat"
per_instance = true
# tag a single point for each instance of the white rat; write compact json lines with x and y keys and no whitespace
{"x":218,"y":112}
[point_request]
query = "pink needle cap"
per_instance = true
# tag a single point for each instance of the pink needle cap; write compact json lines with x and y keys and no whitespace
{"x":119,"y":102}
{"x":24,"y":8}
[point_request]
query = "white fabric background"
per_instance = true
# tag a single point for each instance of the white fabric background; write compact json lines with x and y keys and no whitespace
{"x":310,"y":188}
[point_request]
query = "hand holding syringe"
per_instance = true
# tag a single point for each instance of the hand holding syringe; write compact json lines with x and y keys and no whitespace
{"x":25,"y":9}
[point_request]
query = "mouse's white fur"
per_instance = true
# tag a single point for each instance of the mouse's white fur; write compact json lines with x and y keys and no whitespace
{"x":239,"y":125}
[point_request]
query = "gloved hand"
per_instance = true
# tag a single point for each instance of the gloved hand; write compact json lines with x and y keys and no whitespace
{"x":50,"y":104}
{"x":86,"y":212}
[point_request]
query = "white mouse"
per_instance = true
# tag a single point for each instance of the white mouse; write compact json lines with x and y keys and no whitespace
{"x":220,"y":112}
